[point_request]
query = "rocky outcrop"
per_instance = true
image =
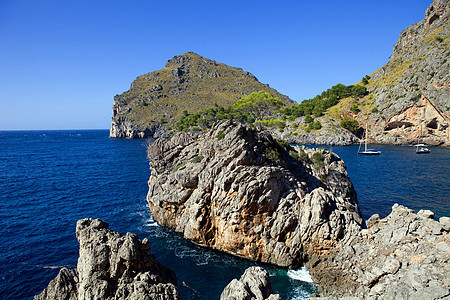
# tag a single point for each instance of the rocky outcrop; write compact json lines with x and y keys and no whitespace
{"x":238,"y":190}
{"x":403,"y":256}
{"x":188,"y":82}
{"x":254,"y":284}
{"x":343,"y":139}
{"x":112,"y":266}
{"x":411,"y":92}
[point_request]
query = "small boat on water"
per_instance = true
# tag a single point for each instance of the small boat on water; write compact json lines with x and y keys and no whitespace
{"x":367,"y":151}
{"x":421,"y":148}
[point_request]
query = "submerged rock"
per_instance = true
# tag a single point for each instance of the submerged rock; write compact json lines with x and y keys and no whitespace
{"x":112,"y":266}
{"x":253,"y":284}
{"x":238,"y":190}
{"x":403,"y":256}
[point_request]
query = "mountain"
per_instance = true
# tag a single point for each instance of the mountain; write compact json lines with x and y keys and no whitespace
{"x":189,"y":83}
{"x":409,"y":96}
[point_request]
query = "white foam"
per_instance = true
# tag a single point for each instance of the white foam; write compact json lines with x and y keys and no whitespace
{"x":301,"y":274}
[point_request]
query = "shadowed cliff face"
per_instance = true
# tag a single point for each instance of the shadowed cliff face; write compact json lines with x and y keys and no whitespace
{"x":187,"y":82}
{"x":411,"y":92}
{"x":237,"y":190}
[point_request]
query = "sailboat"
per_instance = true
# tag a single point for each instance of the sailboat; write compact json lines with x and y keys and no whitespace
{"x":420,"y":148}
{"x":367,"y":151}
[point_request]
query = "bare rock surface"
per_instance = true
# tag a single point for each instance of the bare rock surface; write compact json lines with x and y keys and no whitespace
{"x":238,"y":190}
{"x":112,"y":266}
{"x":253,"y":284}
{"x":403,"y":256}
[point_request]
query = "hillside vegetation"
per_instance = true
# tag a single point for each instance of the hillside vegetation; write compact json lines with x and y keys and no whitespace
{"x":188,"y":83}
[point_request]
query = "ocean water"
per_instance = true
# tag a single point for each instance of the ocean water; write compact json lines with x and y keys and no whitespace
{"x":50,"y":179}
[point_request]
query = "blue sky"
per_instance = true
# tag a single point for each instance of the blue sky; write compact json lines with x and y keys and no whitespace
{"x":62,"y":62}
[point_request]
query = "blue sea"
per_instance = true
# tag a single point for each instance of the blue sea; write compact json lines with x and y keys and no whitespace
{"x":50,"y":179}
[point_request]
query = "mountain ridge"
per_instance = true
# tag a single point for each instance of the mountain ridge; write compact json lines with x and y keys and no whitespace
{"x":188,"y":82}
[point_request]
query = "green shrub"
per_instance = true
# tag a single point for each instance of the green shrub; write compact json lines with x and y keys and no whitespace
{"x":303,"y":155}
{"x":177,"y":167}
{"x":220,"y":135}
{"x":318,"y":158}
{"x":283,"y":144}
{"x":315,"y":125}
{"x":273,"y":123}
{"x":355,"y":108}
{"x":272,"y":154}
{"x":351,"y":125}
{"x":197,"y":159}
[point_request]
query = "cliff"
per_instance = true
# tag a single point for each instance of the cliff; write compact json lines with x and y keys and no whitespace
{"x":410,"y":95}
{"x":237,"y":190}
{"x":189,"y":83}
{"x":112,"y":266}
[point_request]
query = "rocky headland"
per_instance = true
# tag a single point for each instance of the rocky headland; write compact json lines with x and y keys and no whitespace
{"x":238,"y":190}
{"x":112,"y":266}
{"x":188,"y":82}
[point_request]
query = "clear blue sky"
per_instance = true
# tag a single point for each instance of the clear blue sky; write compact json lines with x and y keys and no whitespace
{"x":62,"y":62}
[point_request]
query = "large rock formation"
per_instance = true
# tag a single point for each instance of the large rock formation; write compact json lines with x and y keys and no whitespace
{"x":189,"y":83}
{"x":238,"y":190}
{"x":403,"y":256}
{"x":112,"y":266}
{"x":412,"y":92}
{"x":254,"y":284}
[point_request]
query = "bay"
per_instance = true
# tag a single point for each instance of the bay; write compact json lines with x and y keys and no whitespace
{"x":50,"y":179}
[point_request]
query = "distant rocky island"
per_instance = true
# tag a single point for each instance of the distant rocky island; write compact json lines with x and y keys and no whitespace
{"x":406,"y":99}
{"x":188,"y":83}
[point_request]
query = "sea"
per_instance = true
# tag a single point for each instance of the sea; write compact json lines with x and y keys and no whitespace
{"x":51,"y":179}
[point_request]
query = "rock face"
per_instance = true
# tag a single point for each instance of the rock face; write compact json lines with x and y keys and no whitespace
{"x":238,"y":190}
{"x":187,"y":82}
{"x":253,"y":284}
{"x":412,"y":92}
{"x":112,"y":266}
{"x":403,"y":256}
{"x":331,"y":133}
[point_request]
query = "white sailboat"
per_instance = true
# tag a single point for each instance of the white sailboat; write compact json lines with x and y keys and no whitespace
{"x":421,"y":148}
{"x":366,"y":150}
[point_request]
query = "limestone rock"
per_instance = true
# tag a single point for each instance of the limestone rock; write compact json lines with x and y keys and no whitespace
{"x":112,"y":266}
{"x":403,"y":256}
{"x":253,"y":284}
{"x":412,"y":90}
{"x":238,"y":190}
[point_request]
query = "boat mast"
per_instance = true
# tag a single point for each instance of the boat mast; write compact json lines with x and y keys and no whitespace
{"x":365,"y":141}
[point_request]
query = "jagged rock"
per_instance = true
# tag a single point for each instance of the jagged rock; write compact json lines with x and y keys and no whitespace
{"x":253,"y":284}
{"x":237,"y":190}
{"x":112,"y":266}
{"x":403,"y":256}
